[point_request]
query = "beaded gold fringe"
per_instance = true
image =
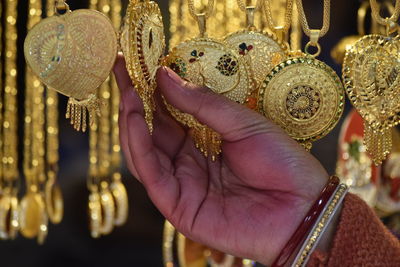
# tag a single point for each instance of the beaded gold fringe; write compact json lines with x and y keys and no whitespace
{"x":378,"y":143}
{"x":77,"y":111}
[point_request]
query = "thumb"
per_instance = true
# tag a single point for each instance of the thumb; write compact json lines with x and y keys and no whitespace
{"x":230,"y":119}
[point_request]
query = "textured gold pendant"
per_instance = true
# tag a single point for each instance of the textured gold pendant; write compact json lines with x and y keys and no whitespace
{"x":207,"y":62}
{"x":304,"y":97}
{"x":370,"y":73}
{"x":73,"y":54}
{"x":260,"y":51}
{"x":143,"y":44}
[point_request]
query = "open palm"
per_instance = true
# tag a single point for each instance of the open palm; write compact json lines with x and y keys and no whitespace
{"x":249,"y":202}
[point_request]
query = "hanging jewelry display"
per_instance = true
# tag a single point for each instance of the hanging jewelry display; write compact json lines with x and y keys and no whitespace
{"x":9,"y":223}
{"x":370,"y":74}
{"x":33,"y":214}
{"x":260,"y":51}
{"x":208,"y":62}
{"x":53,"y":195}
{"x":108,"y":200}
{"x":191,"y":254}
{"x":143,"y":48}
{"x":64,"y":53}
{"x":226,"y":19}
{"x":302,"y":94}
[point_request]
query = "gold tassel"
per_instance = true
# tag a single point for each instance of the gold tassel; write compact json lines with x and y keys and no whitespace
{"x":378,"y":143}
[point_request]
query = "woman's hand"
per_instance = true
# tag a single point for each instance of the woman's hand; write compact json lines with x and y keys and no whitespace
{"x":250,"y":201}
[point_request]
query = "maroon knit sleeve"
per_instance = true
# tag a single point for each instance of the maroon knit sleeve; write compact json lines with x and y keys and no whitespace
{"x":361,"y":239}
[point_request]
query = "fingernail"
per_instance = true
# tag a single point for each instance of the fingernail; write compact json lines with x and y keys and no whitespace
{"x":173,"y":76}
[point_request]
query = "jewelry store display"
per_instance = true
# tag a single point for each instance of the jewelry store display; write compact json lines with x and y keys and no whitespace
{"x":65,"y":54}
{"x":302,"y":94}
{"x":209,"y":62}
{"x":370,"y":74}
{"x":9,"y":178}
{"x":108,"y":200}
{"x":261,"y":51}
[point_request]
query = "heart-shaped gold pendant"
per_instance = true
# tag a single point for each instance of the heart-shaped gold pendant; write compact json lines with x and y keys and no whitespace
{"x":371,"y":75}
{"x":73,"y":54}
{"x":143,"y":44}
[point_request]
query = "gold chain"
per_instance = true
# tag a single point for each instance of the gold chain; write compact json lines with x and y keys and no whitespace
{"x":288,"y":16}
{"x":10,"y":124}
{"x":1,"y":103}
{"x":326,"y":18}
{"x":243,"y":6}
{"x":207,"y":12}
{"x":385,"y":21}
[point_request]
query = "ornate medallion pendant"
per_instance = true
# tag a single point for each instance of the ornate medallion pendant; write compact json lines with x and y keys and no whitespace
{"x":73,"y":54}
{"x":260,"y":51}
{"x":143,"y":44}
{"x":371,"y":76}
{"x":304,"y":96}
{"x":207,"y":62}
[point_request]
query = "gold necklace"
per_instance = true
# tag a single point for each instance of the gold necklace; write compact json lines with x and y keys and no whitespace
{"x":143,"y":44}
{"x":260,"y":51}
{"x":370,"y":74}
{"x":208,"y":62}
{"x":64,"y":51}
{"x":302,"y":94}
{"x":9,"y":223}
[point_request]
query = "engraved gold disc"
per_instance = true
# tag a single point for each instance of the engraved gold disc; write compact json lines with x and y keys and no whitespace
{"x":207,"y":62}
{"x":261,"y":51}
{"x":304,"y":97}
{"x":143,"y":44}
{"x":73,"y":54}
{"x":371,"y":76}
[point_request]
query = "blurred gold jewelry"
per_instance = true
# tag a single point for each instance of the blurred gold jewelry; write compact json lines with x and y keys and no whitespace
{"x":370,"y":74}
{"x":339,"y":51}
{"x":8,"y":216}
{"x":31,"y":212}
{"x":66,"y":54}
{"x":120,"y":196}
{"x":95,"y":214}
{"x":208,"y":62}
{"x":260,"y":51}
{"x":190,"y":253}
{"x":108,"y":209}
{"x":303,"y":95}
{"x":54,"y":200}
{"x":143,"y":50}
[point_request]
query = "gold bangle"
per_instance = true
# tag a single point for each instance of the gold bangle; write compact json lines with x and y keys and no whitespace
{"x":120,"y":195}
{"x":108,"y":210}
{"x":320,"y":226}
{"x":54,"y":201}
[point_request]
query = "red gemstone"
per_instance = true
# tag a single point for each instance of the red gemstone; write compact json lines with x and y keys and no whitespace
{"x":250,"y":47}
{"x":192,"y":60}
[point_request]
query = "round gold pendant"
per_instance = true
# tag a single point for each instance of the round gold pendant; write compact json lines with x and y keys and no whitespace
{"x":108,"y":211}
{"x":261,"y":51}
{"x":73,"y":54}
{"x":371,"y":75}
{"x":31,"y":212}
{"x":143,"y":44}
{"x":303,"y":96}
{"x":54,"y":201}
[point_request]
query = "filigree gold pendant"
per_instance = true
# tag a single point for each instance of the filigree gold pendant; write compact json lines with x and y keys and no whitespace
{"x":303,"y":96}
{"x":371,"y":76}
{"x":208,"y":62}
{"x":143,"y":44}
{"x":73,"y":54}
{"x":261,"y":51}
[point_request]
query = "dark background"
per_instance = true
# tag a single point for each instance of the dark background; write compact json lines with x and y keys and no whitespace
{"x":138,"y":243}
